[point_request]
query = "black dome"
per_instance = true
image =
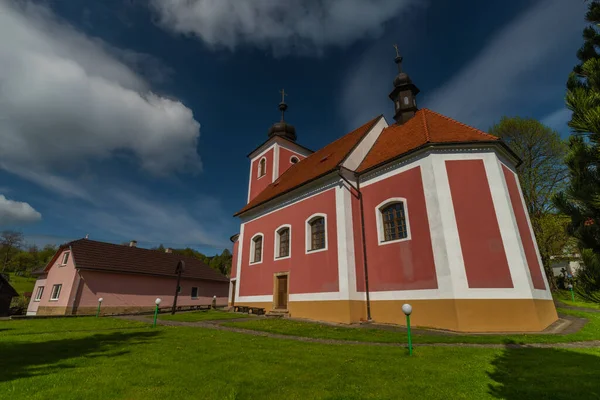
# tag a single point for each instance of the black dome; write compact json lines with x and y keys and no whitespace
{"x":284,"y":129}
{"x":402,"y":79}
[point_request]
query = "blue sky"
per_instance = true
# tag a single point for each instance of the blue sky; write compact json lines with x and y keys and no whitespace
{"x":128,"y":119}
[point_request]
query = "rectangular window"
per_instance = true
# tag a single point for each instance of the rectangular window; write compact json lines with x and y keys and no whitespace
{"x":55,"y":292}
{"x":65,"y":258}
{"x":38,"y":294}
{"x":317,"y":228}
{"x":194,"y":293}
{"x":257,"y":249}
{"x":284,"y":242}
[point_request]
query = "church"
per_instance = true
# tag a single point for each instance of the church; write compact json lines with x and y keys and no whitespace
{"x":425,"y":210}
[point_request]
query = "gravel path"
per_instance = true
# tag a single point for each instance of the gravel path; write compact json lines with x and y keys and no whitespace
{"x":215,"y":324}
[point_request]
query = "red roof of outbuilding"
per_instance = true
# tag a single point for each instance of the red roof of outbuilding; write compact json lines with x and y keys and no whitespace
{"x":425,"y":127}
{"x":90,"y":254}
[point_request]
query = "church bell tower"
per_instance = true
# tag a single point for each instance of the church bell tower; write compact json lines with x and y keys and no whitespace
{"x":404,"y":94}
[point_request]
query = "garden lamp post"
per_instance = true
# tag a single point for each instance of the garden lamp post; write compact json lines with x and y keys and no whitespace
{"x":178,"y":270}
{"x":407,"y":310}
{"x":99,"y":303}
{"x":570,"y":286}
{"x":157,"y":301}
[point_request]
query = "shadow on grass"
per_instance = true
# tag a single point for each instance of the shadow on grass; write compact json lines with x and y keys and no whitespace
{"x":19,"y":333}
{"x":545,"y":373}
{"x":27,"y":359}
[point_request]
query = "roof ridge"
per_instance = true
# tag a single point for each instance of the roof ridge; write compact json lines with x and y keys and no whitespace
{"x":427,"y":137}
{"x":479,"y":131}
{"x":372,"y":124}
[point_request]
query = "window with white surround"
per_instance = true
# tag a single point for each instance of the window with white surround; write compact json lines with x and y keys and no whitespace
{"x":256,"y":248}
{"x":262,"y":167}
{"x":65,"y":257}
{"x":194,"y":293}
{"x":316,"y":233}
{"x":55,"y":292}
{"x":282,"y":241}
{"x":392,"y":221}
{"x":38,"y":293}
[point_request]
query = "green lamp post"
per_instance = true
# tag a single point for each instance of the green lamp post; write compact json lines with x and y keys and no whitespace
{"x":99,"y":303}
{"x":407,"y":310}
{"x":570,"y":286}
{"x":157,"y":301}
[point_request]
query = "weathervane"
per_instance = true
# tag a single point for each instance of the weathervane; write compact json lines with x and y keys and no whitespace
{"x":283,"y":94}
{"x":397,"y":52}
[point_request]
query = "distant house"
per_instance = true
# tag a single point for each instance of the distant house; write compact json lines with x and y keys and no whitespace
{"x":570,"y":262}
{"x":7,"y":292}
{"x":128,"y":278}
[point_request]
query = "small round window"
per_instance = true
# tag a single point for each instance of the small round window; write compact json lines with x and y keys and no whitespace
{"x":294,"y":160}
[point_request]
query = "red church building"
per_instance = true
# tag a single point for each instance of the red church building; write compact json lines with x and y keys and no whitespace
{"x":426,"y":211}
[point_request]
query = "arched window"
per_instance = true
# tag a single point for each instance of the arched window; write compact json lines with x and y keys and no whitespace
{"x":294,"y":159}
{"x":256,"y":249}
{"x":393,"y":221}
{"x":317,"y":233}
{"x":262,"y":167}
{"x":282,"y":245}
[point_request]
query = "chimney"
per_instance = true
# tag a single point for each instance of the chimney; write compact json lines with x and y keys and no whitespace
{"x":133,"y":243}
{"x":168,"y":250}
{"x":87,"y":236}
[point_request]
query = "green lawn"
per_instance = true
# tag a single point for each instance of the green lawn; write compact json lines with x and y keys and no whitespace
{"x":591,"y":331}
{"x":564,"y":296}
{"x":22,"y":284}
{"x":105,"y":358}
{"x":194,"y":316}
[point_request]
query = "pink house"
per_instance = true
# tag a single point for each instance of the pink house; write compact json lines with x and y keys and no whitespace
{"x":127,"y":278}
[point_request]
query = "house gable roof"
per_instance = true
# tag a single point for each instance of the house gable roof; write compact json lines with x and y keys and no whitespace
{"x":316,"y":165}
{"x":108,"y":257}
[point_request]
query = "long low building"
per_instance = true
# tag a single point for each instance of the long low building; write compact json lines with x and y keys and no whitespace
{"x":127,"y":278}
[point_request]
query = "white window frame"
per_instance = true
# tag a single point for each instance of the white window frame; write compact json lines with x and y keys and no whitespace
{"x":192,"y":292}
{"x":65,"y":255}
{"x":277,"y":241}
{"x":52,"y":298}
{"x":258,"y":169}
{"x":262,"y":249}
{"x":379,"y":218}
{"x":296,"y":157}
{"x":308,"y":236}
{"x":39,"y":293}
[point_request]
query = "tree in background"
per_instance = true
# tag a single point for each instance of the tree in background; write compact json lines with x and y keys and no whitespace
{"x":542,"y":174}
{"x":11,"y":242}
{"x":581,"y":199}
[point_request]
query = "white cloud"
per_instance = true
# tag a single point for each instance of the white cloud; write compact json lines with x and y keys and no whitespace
{"x":499,"y":76}
{"x":16,"y":212}
{"x":67,"y":99}
{"x":283,"y":26}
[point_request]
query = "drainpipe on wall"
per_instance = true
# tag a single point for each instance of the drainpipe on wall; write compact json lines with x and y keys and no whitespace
{"x":362,"y":230}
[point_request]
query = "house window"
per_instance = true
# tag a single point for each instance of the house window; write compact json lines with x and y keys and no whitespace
{"x":283,"y":243}
{"x":55,"y":292}
{"x":65,"y":258}
{"x":392,"y":221}
{"x":317,"y":233}
{"x":178,"y":289}
{"x":257,"y":244}
{"x":294,"y":160}
{"x":38,"y":294}
{"x":194,"y":293}
{"x":262,"y":167}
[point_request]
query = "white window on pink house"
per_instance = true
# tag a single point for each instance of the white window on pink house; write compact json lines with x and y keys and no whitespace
{"x":65,"y":258}
{"x":55,"y":292}
{"x":38,"y":294}
{"x":194,"y":293}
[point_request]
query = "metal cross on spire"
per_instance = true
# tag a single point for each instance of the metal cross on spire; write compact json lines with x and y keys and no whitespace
{"x":398,"y":58}
{"x":397,"y":52}
{"x":282,"y":105}
{"x":283,"y":94}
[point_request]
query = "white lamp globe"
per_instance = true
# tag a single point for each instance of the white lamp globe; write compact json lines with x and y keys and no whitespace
{"x":407,"y":309}
{"x":569,"y":286}
{"x":100,"y":300}
{"x":158,"y":300}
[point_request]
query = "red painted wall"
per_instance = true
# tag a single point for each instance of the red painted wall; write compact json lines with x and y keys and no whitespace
{"x":483,"y":252}
{"x":309,"y":273}
{"x":526,"y":236}
{"x":257,"y":184}
{"x":404,"y":265}
{"x":284,"y":159}
{"x":234,"y":259}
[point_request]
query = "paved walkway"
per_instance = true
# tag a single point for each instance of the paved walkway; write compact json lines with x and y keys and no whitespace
{"x":216,"y":324}
{"x":575,"y":308}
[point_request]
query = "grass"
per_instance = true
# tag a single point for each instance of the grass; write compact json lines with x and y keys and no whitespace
{"x":195,"y":316}
{"x":105,"y":358}
{"x":564,"y":296}
{"x":22,"y":284}
{"x":591,"y":331}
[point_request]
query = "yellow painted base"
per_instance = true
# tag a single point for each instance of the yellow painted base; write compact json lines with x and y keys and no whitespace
{"x":510,"y":315}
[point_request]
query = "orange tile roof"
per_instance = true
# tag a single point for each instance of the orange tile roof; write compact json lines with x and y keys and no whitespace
{"x":312,"y":167}
{"x":425,"y":127}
